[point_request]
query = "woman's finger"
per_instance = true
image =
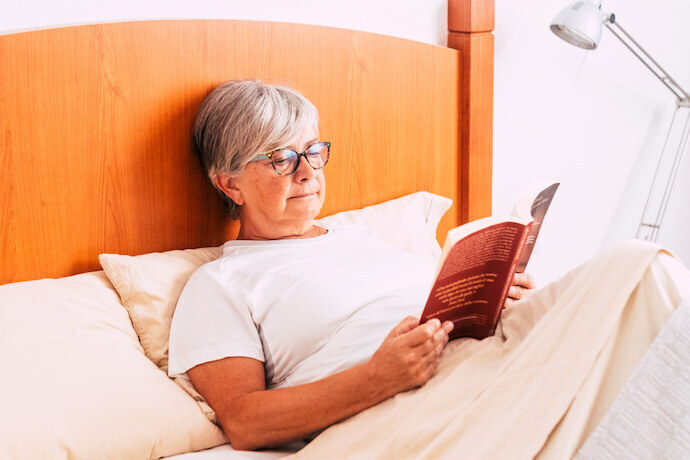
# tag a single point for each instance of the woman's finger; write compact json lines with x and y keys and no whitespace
{"x":525,"y":280}
{"x":403,"y":327}
{"x":434,"y":347}
{"x":515,"y":293}
{"x":423,"y":333}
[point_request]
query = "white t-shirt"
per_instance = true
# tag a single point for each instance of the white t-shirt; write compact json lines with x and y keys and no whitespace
{"x":307,"y":308}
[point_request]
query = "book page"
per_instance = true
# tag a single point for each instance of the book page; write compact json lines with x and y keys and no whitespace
{"x":538,"y":209}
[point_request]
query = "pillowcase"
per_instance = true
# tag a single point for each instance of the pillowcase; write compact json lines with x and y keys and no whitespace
{"x":150,"y":284}
{"x":408,"y":223}
{"x":76,"y":383}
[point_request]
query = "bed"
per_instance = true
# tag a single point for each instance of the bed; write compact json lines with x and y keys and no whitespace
{"x":96,"y":158}
{"x":105,"y":210}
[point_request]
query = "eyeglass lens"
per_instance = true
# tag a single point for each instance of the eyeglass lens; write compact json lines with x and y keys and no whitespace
{"x":286,"y":161}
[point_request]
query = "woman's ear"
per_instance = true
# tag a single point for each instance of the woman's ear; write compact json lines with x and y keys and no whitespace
{"x":228,"y":185}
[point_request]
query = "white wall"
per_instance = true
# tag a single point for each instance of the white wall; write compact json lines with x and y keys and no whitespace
{"x":424,"y":21}
{"x":599,"y":132}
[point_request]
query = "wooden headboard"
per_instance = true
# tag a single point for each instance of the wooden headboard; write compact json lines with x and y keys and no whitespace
{"x":95,"y":123}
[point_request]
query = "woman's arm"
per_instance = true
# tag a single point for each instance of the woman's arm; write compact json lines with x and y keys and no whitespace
{"x":253,"y":417}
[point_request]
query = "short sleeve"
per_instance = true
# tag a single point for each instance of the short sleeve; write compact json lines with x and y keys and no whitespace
{"x":212,"y":321}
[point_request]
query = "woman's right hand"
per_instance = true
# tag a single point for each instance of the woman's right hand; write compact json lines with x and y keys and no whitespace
{"x":409,"y":355}
{"x":253,"y":417}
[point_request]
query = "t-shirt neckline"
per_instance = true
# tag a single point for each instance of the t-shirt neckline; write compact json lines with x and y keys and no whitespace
{"x":286,"y":241}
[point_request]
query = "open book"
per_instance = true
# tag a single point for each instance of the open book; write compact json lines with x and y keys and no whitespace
{"x":478,"y":262}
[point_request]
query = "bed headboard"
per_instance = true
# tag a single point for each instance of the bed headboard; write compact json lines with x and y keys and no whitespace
{"x":95,"y":123}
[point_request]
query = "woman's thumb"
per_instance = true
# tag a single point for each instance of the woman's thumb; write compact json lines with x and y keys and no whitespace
{"x":404,"y":326}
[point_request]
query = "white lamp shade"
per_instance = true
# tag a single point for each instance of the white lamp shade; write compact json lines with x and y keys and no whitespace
{"x":579,"y":24}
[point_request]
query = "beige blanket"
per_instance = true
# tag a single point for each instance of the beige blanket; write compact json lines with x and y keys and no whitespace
{"x":541,"y":384}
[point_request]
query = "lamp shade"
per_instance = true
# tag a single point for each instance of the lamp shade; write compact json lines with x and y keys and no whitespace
{"x":579,"y":24}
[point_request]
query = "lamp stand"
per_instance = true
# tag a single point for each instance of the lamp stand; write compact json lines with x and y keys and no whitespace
{"x":665,"y":175}
{"x":676,"y":139}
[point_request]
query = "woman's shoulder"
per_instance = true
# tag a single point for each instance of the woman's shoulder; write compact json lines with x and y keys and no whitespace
{"x":209,"y":272}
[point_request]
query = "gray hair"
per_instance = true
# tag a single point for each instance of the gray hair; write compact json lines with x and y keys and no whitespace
{"x":241,"y":119}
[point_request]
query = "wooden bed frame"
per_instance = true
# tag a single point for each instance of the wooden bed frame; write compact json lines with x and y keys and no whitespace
{"x":95,"y":124}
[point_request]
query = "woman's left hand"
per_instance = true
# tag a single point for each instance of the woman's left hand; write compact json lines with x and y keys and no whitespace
{"x":522,"y":286}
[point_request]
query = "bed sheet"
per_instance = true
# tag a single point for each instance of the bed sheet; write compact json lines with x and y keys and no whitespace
{"x":539,"y":372}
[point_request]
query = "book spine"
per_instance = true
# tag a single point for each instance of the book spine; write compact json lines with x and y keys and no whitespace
{"x":511,"y":273}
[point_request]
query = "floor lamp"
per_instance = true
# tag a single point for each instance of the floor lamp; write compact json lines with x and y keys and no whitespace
{"x":580,"y":24}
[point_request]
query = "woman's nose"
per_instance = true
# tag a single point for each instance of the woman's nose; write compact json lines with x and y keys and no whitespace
{"x":304,"y":170}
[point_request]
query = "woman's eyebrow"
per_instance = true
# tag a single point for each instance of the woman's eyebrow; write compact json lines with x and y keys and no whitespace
{"x":307,"y":144}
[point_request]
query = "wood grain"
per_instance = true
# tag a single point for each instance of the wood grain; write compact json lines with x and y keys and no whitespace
{"x":476,"y":123}
{"x":470,"y":23}
{"x":95,"y":128}
{"x":470,"y":16}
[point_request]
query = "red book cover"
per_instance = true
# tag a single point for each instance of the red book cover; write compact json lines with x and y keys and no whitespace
{"x":478,"y":262}
{"x":473,"y":282}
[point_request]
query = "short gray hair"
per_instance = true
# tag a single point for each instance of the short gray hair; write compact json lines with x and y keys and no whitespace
{"x":241,"y":119}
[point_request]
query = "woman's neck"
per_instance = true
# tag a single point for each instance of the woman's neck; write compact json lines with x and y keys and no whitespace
{"x":311,"y":231}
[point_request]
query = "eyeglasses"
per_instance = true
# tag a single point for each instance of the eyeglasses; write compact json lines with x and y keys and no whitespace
{"x":286,"y":161}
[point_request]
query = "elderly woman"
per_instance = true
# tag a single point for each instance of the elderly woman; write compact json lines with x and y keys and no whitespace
{"x":296,"y":326}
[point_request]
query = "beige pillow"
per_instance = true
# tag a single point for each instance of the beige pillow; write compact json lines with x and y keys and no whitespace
{"x":75,"y":382}
{"x":150,"y":284}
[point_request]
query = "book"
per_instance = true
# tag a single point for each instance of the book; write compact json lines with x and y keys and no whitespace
{"x":479,"y":260}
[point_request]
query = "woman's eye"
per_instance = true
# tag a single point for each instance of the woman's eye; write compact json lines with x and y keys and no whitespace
{"x":281,"y":157}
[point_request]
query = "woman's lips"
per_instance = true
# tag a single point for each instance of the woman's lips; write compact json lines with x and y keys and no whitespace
{"x":305,"y":195}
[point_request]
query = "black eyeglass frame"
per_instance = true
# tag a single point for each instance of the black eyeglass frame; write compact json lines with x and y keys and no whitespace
{"x":304,"y":154}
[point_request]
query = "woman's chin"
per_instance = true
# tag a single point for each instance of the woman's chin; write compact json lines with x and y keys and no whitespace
{"x":305,"y":208}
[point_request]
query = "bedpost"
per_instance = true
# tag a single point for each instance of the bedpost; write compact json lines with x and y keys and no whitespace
{"x":470,"y":26}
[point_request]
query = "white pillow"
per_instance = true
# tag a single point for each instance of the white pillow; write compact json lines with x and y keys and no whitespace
{"x":150,"y":284}
{"x":408,"y":223}
{"x":76,"y":383}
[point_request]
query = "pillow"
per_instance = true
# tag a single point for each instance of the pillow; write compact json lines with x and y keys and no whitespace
{"x":76,"y":383}
{"x":408,"y":223}
{"x":150,"y":284}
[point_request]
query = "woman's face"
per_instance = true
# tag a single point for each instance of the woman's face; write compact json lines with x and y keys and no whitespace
{"x":277,"y":206}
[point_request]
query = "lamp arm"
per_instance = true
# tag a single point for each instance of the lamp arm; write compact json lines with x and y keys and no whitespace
{"x":644,"y":57}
